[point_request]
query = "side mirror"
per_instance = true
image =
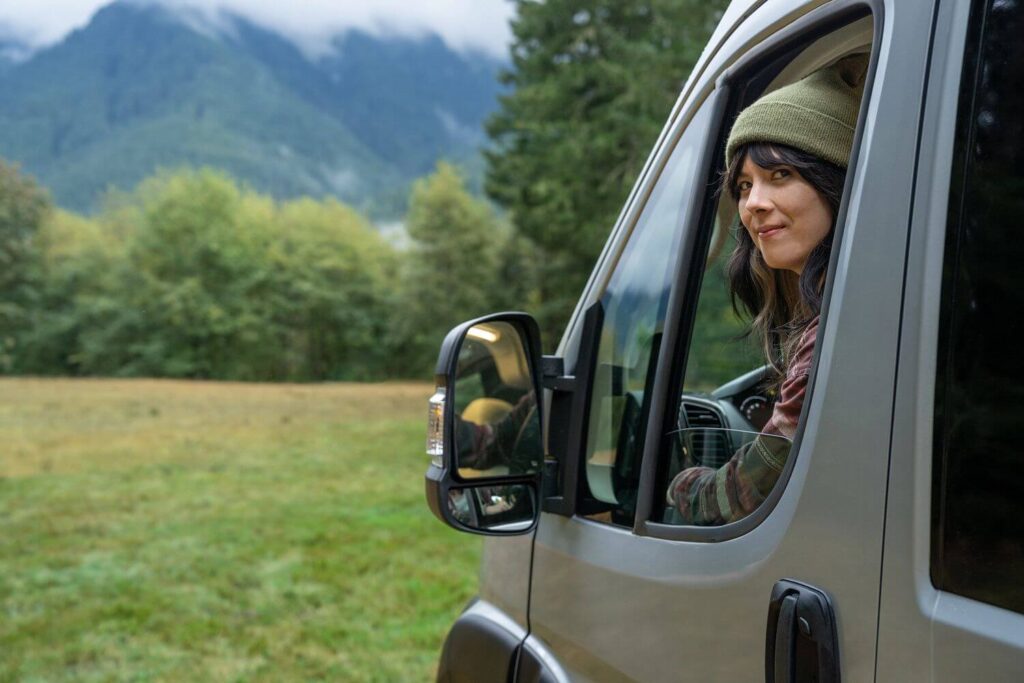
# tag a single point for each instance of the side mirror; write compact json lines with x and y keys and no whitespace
{"x":484,"y":433}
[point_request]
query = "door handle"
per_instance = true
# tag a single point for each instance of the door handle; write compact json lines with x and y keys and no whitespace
{"x":801,"y":644}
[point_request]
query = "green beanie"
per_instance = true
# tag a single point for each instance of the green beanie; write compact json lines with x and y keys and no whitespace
{"x":817,"y":114}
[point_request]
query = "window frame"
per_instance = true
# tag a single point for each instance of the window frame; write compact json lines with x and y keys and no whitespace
{"x":707,"y":115}
{"x":571,"y":373}
{"x":572,"y":406}
{"x":731,"y":90}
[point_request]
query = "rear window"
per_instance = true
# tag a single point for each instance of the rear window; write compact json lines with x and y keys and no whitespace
{"x":978,"y":503}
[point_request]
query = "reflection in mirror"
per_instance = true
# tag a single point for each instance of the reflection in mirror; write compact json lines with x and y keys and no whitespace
{"x":718,"y":476}
{"x":497,"y":509}
{"x":497,"y":427}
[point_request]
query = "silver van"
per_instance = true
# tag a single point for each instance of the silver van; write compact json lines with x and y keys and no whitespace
{"x":892,"y":546}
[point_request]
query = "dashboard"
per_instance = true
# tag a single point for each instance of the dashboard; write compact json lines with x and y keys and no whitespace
{"x":712,"y":426}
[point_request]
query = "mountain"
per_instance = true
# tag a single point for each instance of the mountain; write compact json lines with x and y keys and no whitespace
{"x":12,"y":52}
{"x":143,"y":87}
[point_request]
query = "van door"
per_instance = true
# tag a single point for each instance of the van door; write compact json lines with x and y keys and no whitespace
{"x":620,"y":590}
{"x":953,"y":578}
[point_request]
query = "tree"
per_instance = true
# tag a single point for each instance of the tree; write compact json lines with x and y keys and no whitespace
{"x":24,"y":206}
{"x":79,"y":263}
{"x":218,"y":281}
{"x":452,"y":270}
{"x":193,"y":260}
{"x":592,"y":83}
{"x":334,"y":288}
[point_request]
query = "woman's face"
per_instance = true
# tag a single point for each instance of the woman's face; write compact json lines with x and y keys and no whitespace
{"x":783,"y":213}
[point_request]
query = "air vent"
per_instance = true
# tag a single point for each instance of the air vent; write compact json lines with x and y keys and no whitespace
{"x":706,"y":437}
{"x":702,"y":416}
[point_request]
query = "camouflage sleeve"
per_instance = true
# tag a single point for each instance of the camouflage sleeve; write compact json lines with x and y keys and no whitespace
{"x":506,"y":442}
{"x":704,"y":496}
{"x":473,"y":443}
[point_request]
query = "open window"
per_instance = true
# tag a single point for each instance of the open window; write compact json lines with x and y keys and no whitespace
{"x":722,"y":388}
{"x":728,"y":443}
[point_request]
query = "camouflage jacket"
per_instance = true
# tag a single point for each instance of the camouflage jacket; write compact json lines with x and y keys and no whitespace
{"x":705,"y":496}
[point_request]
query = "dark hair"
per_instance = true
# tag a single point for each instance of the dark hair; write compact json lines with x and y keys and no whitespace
{"x":780,"y":304}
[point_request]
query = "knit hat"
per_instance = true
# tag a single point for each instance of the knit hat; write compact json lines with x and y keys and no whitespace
{"x":817,"y":114}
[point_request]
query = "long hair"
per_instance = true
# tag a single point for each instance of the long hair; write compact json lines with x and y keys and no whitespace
{"x":780,"y":303}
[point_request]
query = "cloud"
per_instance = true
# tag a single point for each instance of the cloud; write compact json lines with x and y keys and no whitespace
{"x":42,"y":23}
{"x":480,"y":25}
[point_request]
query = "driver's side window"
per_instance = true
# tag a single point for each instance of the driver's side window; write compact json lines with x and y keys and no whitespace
{"x":745,"y":371}
{"x":738,"y":391}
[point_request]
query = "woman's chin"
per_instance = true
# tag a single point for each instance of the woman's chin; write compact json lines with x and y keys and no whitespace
{"x":783,"y":262}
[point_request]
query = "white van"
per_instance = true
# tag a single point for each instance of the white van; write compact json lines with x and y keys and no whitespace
{"x":892,"y":547}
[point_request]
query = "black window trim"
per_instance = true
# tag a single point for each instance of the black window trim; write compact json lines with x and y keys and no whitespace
{"x":584,"y":504}
{"x":964,"y":130}
{"x":570,"y":495}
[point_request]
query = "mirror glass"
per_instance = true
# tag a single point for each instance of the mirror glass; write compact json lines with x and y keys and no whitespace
{"x":497,"y":509}
{"x":497,"y":427}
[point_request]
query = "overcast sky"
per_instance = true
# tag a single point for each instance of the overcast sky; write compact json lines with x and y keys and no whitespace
{"x":463,"y":24}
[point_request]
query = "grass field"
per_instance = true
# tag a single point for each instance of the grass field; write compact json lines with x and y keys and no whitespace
{"x":189,"y":531}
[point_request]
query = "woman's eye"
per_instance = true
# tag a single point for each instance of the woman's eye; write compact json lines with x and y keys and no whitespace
{"x":780,"y":173}
{"x":742,"y":187}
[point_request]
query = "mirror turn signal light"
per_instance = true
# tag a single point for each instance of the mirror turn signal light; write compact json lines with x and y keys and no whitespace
{"x":435,"y":427}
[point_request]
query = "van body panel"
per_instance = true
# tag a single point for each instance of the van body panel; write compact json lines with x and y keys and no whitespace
{"x":926,"y":634}
{"x":585,"y":600}
{"x":975,"y":641}
{"x":496,"y":622}
{"x":909,"y":600}
{"x":611,"y":605}
{"x":505,"y":575}
{"x":483,"y":644}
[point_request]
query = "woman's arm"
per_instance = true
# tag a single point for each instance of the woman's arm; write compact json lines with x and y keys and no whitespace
{"x":706,"y":496}
{"x":482,"y":446}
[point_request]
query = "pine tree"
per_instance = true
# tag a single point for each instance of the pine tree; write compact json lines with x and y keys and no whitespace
{"x":592,"y":82}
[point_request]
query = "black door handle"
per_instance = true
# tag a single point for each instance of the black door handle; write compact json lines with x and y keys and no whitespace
{"x":801,"y":644}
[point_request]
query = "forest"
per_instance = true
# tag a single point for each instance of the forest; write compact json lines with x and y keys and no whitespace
{"x":194,"y":274}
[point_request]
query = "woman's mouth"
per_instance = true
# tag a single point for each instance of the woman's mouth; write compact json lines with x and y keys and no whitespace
{"x":768,"y":230}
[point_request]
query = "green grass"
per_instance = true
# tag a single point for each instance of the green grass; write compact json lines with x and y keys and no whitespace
{"x":176,"y":531}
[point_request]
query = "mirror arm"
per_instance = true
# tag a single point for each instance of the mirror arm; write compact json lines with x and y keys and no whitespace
{"x":567,"y":422}
{"x":552,"y":374}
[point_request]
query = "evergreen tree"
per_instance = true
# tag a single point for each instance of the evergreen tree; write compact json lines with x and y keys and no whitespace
{"x":592,"y":83}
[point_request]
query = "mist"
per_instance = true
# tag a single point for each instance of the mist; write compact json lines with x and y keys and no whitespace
{"x":465,"y":25}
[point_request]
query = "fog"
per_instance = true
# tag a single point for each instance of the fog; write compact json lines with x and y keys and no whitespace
{"x":465,"y":25}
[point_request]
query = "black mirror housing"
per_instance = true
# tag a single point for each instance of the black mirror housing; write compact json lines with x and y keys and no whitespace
{"x":485,"y":434}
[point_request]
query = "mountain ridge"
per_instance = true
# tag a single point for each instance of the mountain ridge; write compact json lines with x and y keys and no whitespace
{"x":138,"y":89}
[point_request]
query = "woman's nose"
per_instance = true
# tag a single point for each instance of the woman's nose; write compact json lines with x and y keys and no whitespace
{"x":758,"y":198}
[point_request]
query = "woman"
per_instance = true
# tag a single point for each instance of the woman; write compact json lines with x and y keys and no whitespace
{"x":787,"y":155}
